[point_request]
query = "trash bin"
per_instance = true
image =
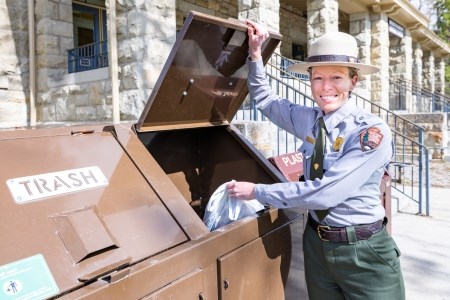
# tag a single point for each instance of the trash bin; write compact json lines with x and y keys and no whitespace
{"x":115,"y":211}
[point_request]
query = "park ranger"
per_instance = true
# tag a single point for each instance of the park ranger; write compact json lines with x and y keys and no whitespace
{"x":348,"y":253}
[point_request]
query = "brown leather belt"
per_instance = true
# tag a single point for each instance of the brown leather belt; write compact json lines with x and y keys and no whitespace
{"x":339,"y":234}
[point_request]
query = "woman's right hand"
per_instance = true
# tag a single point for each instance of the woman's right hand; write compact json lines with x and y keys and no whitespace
{"x":257,"y":34}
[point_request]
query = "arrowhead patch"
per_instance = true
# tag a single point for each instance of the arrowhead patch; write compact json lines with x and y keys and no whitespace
{"x":370,"y":139}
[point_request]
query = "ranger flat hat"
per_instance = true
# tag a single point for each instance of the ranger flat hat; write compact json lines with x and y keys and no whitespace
{"x":334,"y":48}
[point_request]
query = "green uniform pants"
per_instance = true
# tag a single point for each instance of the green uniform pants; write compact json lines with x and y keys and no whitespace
{"x":363,"y":270}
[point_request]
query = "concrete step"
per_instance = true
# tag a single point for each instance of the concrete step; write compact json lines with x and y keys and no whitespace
{"x":401,"y":203}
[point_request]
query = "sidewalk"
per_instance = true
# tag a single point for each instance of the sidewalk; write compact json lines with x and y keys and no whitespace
{"x":425,"y":246}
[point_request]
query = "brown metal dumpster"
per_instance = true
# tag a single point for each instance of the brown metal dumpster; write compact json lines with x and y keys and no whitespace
{"x":115,"y":212}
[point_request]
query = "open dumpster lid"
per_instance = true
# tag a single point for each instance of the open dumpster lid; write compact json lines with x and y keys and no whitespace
{"x":204,"y":80}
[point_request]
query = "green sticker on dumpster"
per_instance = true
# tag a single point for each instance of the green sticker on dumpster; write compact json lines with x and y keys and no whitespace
{"x":29,"y":278}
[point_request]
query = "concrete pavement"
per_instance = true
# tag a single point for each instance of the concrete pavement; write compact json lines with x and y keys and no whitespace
{"x":425,"y":246}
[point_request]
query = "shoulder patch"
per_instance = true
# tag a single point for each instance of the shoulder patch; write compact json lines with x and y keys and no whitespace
{"x":370,"y":138}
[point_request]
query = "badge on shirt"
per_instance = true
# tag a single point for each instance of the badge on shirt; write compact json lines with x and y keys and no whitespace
{"x":310,"y":140}
{"x":338,"y":143}
{"x":370,"y":138}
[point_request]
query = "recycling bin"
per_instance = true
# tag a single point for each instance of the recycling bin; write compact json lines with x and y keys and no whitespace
{"x":114,"y":211}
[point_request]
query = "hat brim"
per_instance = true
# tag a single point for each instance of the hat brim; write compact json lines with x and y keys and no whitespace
{"x":363,"y":69}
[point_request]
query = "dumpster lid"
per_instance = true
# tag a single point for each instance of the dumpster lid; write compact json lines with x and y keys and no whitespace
{"x":74,"y":208}
{"x":204,"y":80}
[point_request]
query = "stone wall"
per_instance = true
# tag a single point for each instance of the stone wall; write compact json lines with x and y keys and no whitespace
{"x":323,"y":16}
{"x":293,"y":28}
{"x":54,"y":36}
{"x":62,"y":97}
{"x":224,"y":9}
{"x":14,"y":59}
{"x":146,"y":33}
{"x":266,"y":12}
{"x":435,"y":131}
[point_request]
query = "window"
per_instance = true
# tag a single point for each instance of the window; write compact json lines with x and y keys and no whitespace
{"x":89,"y":31}
{"x":297,"y":52}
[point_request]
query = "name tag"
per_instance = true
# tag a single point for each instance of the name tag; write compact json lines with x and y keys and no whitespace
{"x":30,"y":188}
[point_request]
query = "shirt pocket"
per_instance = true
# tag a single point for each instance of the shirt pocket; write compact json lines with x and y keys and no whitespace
{"x":329,"y":159}
{"x":306,"y":149}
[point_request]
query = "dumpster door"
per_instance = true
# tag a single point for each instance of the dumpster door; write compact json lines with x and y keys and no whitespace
{"x":270,"y":267}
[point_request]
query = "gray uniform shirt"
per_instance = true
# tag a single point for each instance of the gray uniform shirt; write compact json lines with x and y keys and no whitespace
{"x":358,"y":147}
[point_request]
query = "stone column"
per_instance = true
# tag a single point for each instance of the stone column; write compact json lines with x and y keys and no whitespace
{"x":428,"y":71}
{"x":400,"y":70}
{"x":360,"y":28}
{"x":407,"y":50}
{"x":380,"y":58}
{"x":266,"y":12}
{"x":439,"y":63}
{"x":323,"y":16}
{"x":418,"y":104}
{"x":417,"y":66}
{"x":146,"y":32}
{"x":14,"y":67}
{"x":439,"y":84}
{"x":54,"y":36}
{"x":428,"y":80}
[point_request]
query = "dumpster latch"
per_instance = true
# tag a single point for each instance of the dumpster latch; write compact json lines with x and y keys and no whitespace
{"x":107,"y":270}
{"x":116,"y":276}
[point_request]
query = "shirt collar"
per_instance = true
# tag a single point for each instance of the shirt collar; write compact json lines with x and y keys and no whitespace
{"x":334,"y":118}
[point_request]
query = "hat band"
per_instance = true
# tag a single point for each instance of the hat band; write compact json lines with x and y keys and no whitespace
{"x":333,"y":58}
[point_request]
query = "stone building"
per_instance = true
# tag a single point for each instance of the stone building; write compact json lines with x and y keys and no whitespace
{"x":79,"y":61}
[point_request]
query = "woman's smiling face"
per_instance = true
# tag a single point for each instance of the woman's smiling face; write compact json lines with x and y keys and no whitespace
{"x":331,"y":86}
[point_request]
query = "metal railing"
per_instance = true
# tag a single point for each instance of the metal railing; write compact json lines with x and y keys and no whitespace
{"x":402,"y":92}
{"x":410,"y":166}
{"x":88,"y":57}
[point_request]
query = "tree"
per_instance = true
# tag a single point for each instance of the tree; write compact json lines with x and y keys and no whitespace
{"x":442,"y":8}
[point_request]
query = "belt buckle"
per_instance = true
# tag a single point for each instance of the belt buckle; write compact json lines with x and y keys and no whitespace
{"x":325,"y":227}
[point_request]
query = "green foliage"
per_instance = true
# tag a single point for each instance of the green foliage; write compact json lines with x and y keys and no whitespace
{"x":443,"y":31}
{"x":443,"y":19}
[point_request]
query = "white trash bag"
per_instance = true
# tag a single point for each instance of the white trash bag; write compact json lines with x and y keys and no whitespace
{"x":223,"y":209}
